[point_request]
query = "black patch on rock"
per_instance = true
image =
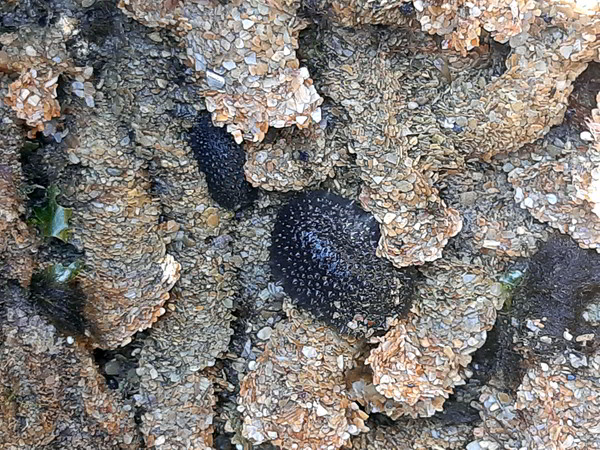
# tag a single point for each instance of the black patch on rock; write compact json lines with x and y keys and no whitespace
{"x":222,"y":161}
{"x":323,"y":252}
{"x":61,"y":303}
{"x":561,"y":281}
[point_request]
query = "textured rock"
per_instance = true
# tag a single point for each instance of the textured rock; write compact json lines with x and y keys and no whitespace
{"x":399,"y":150}
{"x":565,"y":193}
{"x":323,"y":252}
{"x":296,"y":397}
{"x":51,"y":391}
{"x":175,"y":391}
{"x":116,"y":250}
{"x":114,"y":219}
{"x":415,"y":435}
{"x":296,"y":160}
{"x":244,"y":55}
{"x":17,"y":242}
{"x":424,"y":356}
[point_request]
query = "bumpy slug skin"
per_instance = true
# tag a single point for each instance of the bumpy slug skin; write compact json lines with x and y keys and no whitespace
{"x":222,"y":162}
{"x":323,"y":252}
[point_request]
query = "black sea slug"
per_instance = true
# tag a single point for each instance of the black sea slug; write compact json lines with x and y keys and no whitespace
{"x":323,"y":252}
{"x":222,"y":162}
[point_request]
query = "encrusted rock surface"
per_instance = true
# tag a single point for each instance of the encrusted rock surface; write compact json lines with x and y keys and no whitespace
{"x":415,"y":435}
{"x":420,"y":360}
{"x":397,"y":148}
{"x":17,"y":242}
{"x":532,"y":95}
{"x":244,"y":53}
{"x":566,"y":192}
{"x":112,"y":185}
{"x":175,"y":392}
{"x":106,"y":184}
{"x":177,"y":397}
{"x":296,"y":395}
{"x":51,"y":391}
{"x":427,"y":136}
{"x":296,"y":160}
{"x":555,"y":407}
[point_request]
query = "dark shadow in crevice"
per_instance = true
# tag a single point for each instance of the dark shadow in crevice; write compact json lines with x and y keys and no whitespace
{"x":583,"y":97}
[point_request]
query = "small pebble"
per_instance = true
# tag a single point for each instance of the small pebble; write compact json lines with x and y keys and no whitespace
{"x":112,"y":367}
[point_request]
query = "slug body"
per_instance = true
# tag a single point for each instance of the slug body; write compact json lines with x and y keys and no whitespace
{"x":323,"y":253}
{"x":222,"y":162}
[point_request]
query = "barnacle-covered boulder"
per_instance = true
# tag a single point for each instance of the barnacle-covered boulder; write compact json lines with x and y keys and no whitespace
{"x":496,"y":225}
{"x":552,"y":42}
{"x":114,"y":218}
{"x":222,"y":162}
{"x":296,"y":397}
{"x":244,"y":54}
{"x":555,"y":407}
{"x":323,"y":252}
{"x":178,"y":409}
{"x":398,"y":142}
{"x":115,"y":221}
{"x":416,"y":435}
{"x":196,"y":329}
{"x":425,"y":355}
{"x":532,"y":94}
{"x":50,"y":389}
{"x":175,"y":392}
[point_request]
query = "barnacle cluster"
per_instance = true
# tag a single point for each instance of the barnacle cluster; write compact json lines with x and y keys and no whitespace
{"x":323,"y":252}
{"x":50,"y":389}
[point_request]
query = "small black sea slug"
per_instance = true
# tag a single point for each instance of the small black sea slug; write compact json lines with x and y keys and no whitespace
{"x":323,"y":252}
{"x":222,"y":162}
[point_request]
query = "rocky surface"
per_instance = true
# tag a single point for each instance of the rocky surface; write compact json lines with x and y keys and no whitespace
{"x":468,"y":132}
{"x":52,"y":393}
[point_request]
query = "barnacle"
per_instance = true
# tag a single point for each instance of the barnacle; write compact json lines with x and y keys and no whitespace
{"x":222,"y":162}
{"x":324,"y":253}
